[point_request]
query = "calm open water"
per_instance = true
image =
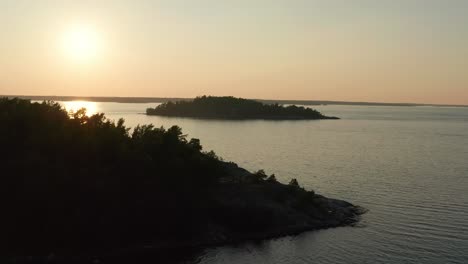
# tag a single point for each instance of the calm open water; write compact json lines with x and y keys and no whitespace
{"x":407,"y":165}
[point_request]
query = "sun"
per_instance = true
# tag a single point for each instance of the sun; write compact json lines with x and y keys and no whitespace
{"x":81,"y":43}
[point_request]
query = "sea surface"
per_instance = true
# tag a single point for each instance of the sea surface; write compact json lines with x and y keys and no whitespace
{"x":407,"y":165}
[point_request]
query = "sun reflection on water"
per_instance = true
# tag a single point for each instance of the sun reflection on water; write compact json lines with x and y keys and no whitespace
{"x":73,"y":106}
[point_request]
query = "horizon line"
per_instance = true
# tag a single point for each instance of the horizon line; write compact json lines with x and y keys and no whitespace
{"x":143,"y":99}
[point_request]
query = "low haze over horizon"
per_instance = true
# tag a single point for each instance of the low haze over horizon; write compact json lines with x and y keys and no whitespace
{"x":411,"y":51}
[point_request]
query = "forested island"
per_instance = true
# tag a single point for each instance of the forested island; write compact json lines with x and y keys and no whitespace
{"x":84,"y":188}
{"x":228,"y":107}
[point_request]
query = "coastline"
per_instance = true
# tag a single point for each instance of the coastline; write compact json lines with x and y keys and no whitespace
{"x":342,"y":214}
{"x":288,"y":118}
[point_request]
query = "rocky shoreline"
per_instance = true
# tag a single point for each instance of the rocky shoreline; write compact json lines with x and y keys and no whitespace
{"x":294,"y":211}
{"x":239,"y":182}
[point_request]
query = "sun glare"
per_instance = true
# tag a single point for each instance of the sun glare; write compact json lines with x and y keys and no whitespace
{"x":81,"y":43}
{"x":73,"y":106}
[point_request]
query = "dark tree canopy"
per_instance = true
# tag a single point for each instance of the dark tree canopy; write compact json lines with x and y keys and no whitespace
{"x":233,"y":108}
{"x":79,"y":181}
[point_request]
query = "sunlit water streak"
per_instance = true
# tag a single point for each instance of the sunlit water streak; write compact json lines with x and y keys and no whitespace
{"x":74,"y":106}
{"x":407,"y":165}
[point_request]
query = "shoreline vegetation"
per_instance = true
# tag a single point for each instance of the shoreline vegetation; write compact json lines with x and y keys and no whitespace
{"x":137,"y":100}
{"x":231,"y":108}
{"x":78,"y":188}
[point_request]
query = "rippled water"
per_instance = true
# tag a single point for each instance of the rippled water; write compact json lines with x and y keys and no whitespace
{"x":407,"y":165}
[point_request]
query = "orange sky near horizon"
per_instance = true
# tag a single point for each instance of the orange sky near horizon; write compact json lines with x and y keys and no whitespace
{"x":386,"y":51}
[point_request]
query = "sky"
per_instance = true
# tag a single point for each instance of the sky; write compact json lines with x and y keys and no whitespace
{"x":361,"y":50}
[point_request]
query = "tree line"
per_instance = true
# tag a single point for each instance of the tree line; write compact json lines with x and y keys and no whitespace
{"x":229,"y":107}
{"x":78,"y":181}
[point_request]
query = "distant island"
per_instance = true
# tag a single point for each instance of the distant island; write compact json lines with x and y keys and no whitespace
{"x":81,"y":189}
{"x":228,"y":107}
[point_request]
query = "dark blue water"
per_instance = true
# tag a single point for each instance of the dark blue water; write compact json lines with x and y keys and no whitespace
{"x":407,"y":165}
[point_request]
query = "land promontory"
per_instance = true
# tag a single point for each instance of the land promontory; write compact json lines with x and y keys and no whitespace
{"x":78,"y":186}
{"x":228,"y":107}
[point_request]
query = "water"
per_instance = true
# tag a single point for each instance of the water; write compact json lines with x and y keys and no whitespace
{"x":407,"y":165}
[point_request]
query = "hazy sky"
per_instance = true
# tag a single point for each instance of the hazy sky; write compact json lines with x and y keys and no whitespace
{"x":360,"y":50}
